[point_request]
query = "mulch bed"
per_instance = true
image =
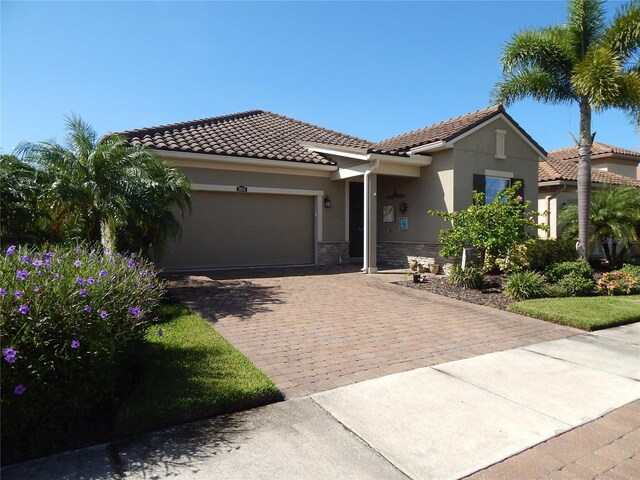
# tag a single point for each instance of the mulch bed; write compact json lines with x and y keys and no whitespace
{"x":490,"y":294}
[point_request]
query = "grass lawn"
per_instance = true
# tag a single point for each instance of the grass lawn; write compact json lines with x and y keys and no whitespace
{"x":189,"y":373}
{"x":587,"y":313}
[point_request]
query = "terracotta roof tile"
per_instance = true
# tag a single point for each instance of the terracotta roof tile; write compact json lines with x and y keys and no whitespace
{"x":255,"y":133}
{"x":571,"y":153}
{"x":564,"y":170}
{"x":444,"y":131}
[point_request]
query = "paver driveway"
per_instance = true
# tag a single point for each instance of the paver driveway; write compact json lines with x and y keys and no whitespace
{"x":314,"y":329}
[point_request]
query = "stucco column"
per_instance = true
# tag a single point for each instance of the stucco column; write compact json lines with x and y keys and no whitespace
{"x":372,"y":224}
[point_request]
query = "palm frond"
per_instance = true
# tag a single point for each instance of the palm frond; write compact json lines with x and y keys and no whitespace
{"x":586,"y":22}
{"x":597,"y":77}
{"x":623,"y":34}
{"x":532,"y":83}
{"x":547,"y":49}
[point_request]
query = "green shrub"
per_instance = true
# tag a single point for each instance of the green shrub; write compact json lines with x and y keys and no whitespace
{"x":632,"y":269}
{"x":70,"y":323}
{"x":619,"y":282}
{"x":524,"y":285}
{"x":540,"y":254}
{"x":576,"y":285}
{"x":470,"y":277}
{"x":579,"y":269}
{"x":555,"y":290}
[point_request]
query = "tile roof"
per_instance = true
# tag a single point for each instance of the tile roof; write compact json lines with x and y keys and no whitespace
{"x":253,"y":134}
{"x":444,"y":131}
{"x":551,"y":170}
{"x":571,"y":153}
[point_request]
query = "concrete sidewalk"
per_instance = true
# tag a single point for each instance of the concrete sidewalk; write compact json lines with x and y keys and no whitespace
{"x":442,"y":422}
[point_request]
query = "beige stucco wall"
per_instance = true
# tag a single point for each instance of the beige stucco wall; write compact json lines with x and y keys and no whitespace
{"x":333,"y":218}
{"x":476,"y":153}
{"x":628,"y":170}
{"x":432,"y":190}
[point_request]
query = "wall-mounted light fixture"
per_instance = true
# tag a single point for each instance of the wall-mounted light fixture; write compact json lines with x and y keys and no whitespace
{"x":327,"y":202}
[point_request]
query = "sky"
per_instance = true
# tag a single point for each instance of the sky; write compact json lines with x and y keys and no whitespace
{"x":369,"y":69}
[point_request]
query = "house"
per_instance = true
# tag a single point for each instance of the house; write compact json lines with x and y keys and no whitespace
{"x":272,"y":190}
{"x":558,"y":178}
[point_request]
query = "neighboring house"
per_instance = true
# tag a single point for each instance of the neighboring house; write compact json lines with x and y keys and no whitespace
{"x":604,"y":157}
{"x":271,"y":190}
{"x":558,"y":181}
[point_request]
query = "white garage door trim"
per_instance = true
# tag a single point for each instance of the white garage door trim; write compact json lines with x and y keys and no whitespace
{"x":319,"y":194}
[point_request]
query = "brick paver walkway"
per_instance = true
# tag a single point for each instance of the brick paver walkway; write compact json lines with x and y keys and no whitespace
{"x":316,"y":329}
{"x":606,"y":449}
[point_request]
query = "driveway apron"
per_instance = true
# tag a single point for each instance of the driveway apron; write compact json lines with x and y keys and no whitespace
{"x":315,"y":329}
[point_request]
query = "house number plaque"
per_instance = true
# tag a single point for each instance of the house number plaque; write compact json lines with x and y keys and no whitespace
{"x":241,"y":188}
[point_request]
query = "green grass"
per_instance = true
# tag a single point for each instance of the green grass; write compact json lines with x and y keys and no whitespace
{"x":190,"y":373}
{"x":587,"y":313}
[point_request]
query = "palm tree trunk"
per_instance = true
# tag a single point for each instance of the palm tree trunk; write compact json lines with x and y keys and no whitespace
{"x":584,"y":178}
{"x":107,"y":236}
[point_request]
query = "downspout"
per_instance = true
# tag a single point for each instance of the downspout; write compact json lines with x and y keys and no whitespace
{"x":374,"y":167}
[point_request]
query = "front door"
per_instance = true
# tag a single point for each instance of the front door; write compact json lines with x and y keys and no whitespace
{"x":356,"y":219}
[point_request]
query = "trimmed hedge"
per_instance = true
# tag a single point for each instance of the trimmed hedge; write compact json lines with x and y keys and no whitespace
{"x":71,"y":321}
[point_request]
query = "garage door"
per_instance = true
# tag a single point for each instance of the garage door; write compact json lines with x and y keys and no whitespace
{"x":244,"y":229}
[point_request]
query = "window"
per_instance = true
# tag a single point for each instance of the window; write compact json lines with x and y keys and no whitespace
{"x":493,"y":181}
{"x":493,"y":186}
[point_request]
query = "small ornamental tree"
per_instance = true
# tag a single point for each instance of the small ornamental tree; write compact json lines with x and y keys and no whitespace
{"x":491,"y":228}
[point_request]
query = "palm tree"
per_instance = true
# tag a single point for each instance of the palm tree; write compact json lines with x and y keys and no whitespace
{"x":586,"y":61}
{"x":96,"y":189}
{"x":615,"y":217}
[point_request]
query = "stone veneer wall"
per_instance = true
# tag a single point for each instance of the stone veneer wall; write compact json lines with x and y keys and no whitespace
{"x":330,"y":253}
{"x":395,"y":253}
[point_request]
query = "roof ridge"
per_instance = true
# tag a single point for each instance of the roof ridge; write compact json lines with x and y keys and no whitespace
{"x":193,"y":123}
{"x":498,"y":108}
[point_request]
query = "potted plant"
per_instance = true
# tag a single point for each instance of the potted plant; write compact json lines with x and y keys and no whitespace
{"x":434,"y":268}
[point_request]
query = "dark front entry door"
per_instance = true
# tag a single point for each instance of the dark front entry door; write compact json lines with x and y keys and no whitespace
{"x":356,"y":219}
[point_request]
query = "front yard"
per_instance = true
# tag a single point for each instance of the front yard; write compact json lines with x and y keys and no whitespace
{"x":586,"y":313}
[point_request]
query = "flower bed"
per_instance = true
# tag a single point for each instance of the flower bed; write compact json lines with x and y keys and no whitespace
{"x":71,"y":321}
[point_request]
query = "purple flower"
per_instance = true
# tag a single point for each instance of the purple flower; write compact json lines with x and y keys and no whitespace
{"x":135,"y":311}
{"x":107,"y":251}
{"x":22,"y":274}
{"x":11,"y":250}
{"x":91,"y":280}
{"x":131,"y":263}
{"x":133,"y":255}
{"x":24,"y":259}
{"x":83,"y":292}
{"x":78,"y":250}
{"x":3,"y":292}
{"x":75,"y":344}
{"x":77,"y":263}
{"x":10,"y":355}
{"x":80,"y":281}
{"x":87,"y":308}
{"x":39,"y":272}
{"x":19,"y":390}
{"x":57,"y":276}
{"x":160,"y":332}
{"x":143,"y":273}
{"x":47,"y":257}
{"x":37,"y":263}
{"x":152,"y":263}
{"x":103,"y":314}
{"x":24,"y":309}
{"x":103,"y":273}
{"x":36,"y":288}
{"x":18,"y":293}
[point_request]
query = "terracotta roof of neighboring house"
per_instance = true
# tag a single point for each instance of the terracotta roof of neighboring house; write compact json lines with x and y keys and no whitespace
{"x":444,"y":131}
{"x":254,"y":134}
{"x":551,"y":170}
{"x":571,"y":153}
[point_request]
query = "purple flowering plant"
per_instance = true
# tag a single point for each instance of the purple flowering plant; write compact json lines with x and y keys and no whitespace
{"x":48,"y":319}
